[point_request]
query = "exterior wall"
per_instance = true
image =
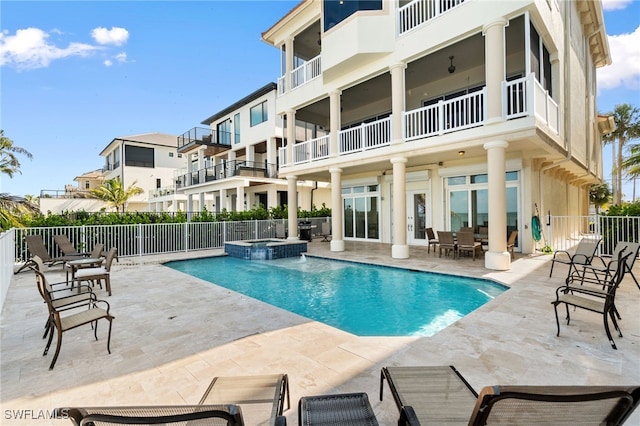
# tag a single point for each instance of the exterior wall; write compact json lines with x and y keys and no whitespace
{"x":59,"y":205}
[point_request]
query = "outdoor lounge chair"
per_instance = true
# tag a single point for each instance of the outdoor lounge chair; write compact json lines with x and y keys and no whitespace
{"x":88,"y":313}
{"x":431,"y":240}
{"x":583,"y":255}
{"x":66,"y":247}
{"x":468,"y":243}
{"x":594,"y":300}
{"x":325,"y":231}
{"x":266,"y":395}
{"x":36,"y":247}
{"x":447,"y":243}
{"x":196,"y":415}
{"x":100,"y":273}
{"x":440,"y":395}
{"x":511,"y":242}
{"x":351,"y":409}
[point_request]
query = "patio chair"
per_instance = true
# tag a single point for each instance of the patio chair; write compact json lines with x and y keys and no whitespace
{"x":431,"y":240}
{"x":467,"y":243}
{"x":280,"y":231}
{"x":583,"y":255}
{"x":216,"y":415}
{"x":61,"y":299}
{"x":602,"y":270}
{"x":447,"y":243}
{"x":36,"y":247}
{"x":325,"y":231}
{"x":598,"y":301}
{"x":483,"y":235}
{"x":466,"y":229}
{"x":100,"y":273}
{"x":351,"y":409}
{"x":88,"y":314}
{"x":441,"y":395}
{"x":511,"y":242}
{"x":67,"y":247}
{"x":266,"y":395}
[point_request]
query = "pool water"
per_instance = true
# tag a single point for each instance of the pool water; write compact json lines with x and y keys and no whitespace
{"x":365,"y":300}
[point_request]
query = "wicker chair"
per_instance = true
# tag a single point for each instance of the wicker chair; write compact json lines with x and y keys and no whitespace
{"x":100,"y":273}
{"x":468,"y":243}
{"x":447,"y":243}
{"x":431,"y":240}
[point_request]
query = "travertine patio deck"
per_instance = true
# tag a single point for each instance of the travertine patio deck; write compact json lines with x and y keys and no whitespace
{"x":173,"y":333}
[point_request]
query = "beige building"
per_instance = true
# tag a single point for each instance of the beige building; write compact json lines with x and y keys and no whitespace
{"x":233,"y":165}
{"x":149,"y":160}
{"x":442,"y":114}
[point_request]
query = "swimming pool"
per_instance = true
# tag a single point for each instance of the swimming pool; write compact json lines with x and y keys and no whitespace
{"x":365,"y":300}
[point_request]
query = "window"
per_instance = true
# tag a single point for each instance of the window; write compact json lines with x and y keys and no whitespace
{"x":336,"y":11}
{"x":171,"y":154}
{"x":236,"y":128}
{"x":224,"y":132}
{"x":179,"y":155}
{"x":138,"y":156}
{"x":361,"y":212}
{"x":86,"y":184}
{"x":158,"y":183}
{"x":259,"y":114}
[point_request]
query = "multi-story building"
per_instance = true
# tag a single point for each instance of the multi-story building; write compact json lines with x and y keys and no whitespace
{"x":442,"y":113}
{"x":233,"y":161}
{"x":150,"y":162}
{"x":73,"y":198}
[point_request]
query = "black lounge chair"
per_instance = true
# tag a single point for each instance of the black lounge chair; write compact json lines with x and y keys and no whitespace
{"x":601,"y":271}
{"x":440,"y":395}
{"x":217,"y":415}
{"x":36,"y":247}
{"x":583,"y":255}
{"x":351,"y":409}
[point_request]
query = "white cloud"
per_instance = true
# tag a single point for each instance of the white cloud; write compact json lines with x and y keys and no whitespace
{"x":116,"y":35}
{"x":625,"y":57}
{"x":121,"y":57}
{"x":29,"y":49}
{"x":615,"y":4}
{"x":108,"y":63}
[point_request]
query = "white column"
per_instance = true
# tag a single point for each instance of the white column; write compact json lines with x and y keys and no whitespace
{"x":291,"y":135}
{"x":497,"y":257}
{"x":337,"y":236}
{"x":224,"y":200}
{"x":334,"y":122}
{"x":292,"y":196}
{"x":288,"y":46}
{"x":399,"y":249}
{"x":397,"y":101}
{"x":240,"y":199}
{"x":201,"y":204}
{"x":272,"y":151}
{"x":494,"y":68}
{"x":251,"y":153}
{"x":190,"y":203}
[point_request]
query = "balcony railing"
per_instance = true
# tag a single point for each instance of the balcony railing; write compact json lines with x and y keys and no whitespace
{"x":416,"y":13}
{"x":204,"y":136}
{"x":522,"y":97}
{"x":161,"y":192}
{"x":306,"y":72}
{"x":65,"y":193}
{"x":227,"y":170}
{"x":110,"y":167}
{"x":365,"y":137}
{"x":446,"y":116}
{"x":526,"y":96}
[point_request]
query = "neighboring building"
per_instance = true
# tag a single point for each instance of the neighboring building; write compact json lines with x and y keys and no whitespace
{"x":150,"y":161}
{"x":442,"y":114}
{"x":73,"y":198}
{"x":232,"y":164}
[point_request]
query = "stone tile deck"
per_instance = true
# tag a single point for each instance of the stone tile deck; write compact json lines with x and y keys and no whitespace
{"x":173,"y":333}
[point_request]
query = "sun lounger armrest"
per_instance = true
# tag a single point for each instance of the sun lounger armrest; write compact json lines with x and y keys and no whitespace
{"x":408,"y":417}
{"x":566,"y":253}
{"x":581,"y":290}
{"x":102,"y":302}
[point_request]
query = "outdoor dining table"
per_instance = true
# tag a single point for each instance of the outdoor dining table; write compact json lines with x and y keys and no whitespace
{"x":74,"y":265}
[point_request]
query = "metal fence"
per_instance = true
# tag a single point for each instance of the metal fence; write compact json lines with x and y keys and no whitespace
{"x":564,"y":232}
{"x":146,"y":239}
{"x":7,"y":247}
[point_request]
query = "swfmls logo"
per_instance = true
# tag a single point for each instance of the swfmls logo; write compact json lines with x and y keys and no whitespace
{"x":30,"y":414}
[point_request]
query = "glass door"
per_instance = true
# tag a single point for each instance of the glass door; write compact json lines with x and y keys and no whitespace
{"x":417,"y":217}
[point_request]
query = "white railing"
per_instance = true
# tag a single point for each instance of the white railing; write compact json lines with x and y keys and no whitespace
{"x":416,"y":13}
{"x":526,"y":96}
{"x":314,"y":149}
{"x":7,"y":252}
{"x":366,"y":136}
{"x":446,"y":116}
{"x":306,"y":72}
{"x":565,"y":232}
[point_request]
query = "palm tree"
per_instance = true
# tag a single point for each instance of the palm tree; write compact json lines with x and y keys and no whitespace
{"x":599,"y":195}
{"x":627,"y":119}
{"x":9,"y":163}
{"x":113,"y":192}
{"x":632,"y":166}
{"x":12,"y":208}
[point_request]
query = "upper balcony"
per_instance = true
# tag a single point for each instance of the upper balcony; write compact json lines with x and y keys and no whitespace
{"x":226,"y":170}
{"x":197,"y":137}
{"x":524,"y":97}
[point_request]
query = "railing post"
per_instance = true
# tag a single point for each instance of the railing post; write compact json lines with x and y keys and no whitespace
{"x":140,"y":236}
{"x":186,"y":236}
{"x":440,"y":115}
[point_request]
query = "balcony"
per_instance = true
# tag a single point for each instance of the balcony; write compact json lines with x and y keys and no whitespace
{"x":227,"y":170}
{"x":110,"y":167}
{"x":417,"y":12}
{"x":204,"y":136}
{"x":161,"y":192}
{"x":523,"y":97}
{"x":301,"y":75}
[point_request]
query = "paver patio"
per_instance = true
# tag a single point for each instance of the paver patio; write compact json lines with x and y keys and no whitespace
{"x":173,"y":333}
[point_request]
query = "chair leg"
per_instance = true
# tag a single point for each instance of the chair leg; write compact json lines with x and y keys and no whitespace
{"x":109,"y":334}
{"x":46,"y":348}
{"x":55,"y":356}
{"x":551,"y":271}
{"x":107,"y":284}
{"x":555,"y":308}
{"x":606,"y":328}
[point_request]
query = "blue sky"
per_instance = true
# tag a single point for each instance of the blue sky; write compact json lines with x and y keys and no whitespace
{"x":76,"y":74}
